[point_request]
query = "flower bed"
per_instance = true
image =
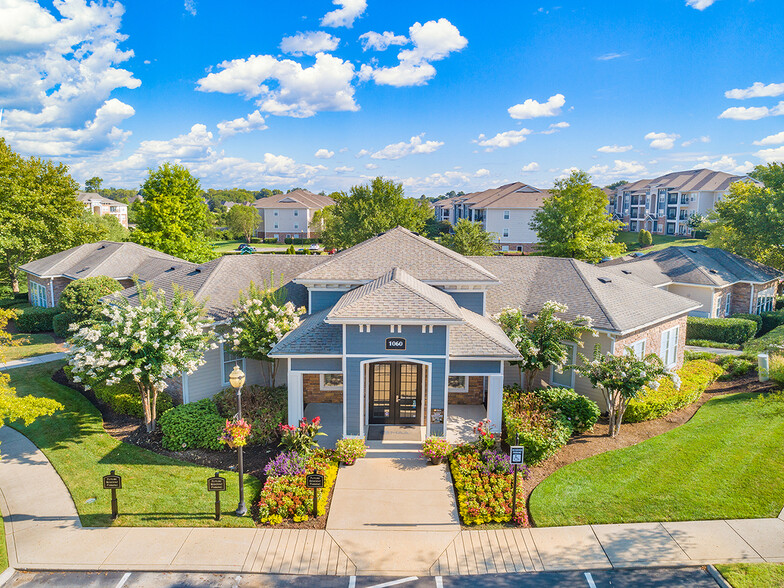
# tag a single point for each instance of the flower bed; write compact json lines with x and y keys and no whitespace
{"x":530,"y":423}
{"x":285,"y":497}
{"x":483,"y":481}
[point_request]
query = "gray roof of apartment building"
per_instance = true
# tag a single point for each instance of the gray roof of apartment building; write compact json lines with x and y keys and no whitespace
{"x":617,"y":304}
{"x":219,"y":282}
{"x":692,"y":180}
{"x":514,"y":195}
{"x":422,"y":258}
{"x":298,"y":198}
{"x":89,"y":196}
{"x":646,"y":271}
{"x":104,"y":258}
{"x":312,"y":337}
{"x":396,"y":294}
{"x":699,"y":265}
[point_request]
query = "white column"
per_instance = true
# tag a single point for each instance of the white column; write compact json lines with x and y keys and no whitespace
{"x":495,"y":394}
{"x":296,"y":400}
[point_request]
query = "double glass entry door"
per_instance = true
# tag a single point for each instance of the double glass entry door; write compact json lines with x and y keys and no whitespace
{"x":395,"y":393}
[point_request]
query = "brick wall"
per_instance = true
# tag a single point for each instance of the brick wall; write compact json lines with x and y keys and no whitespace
{"x":742,"y":293}
{"x":312,"y":392}
{"x":57,"y":287}
{"x":652,"y":338}
{"x":475,"y":394}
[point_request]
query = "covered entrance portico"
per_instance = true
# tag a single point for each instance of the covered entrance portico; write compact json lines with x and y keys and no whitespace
{"x":394,"y":392}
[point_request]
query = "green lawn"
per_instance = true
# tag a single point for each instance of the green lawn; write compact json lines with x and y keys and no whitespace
{"x":157,"y":491}
{"x":764,"y":575}
{"x":659,"y":241}
{"x":723,"y":463}
{"x":36,"y":344}
{"x":3,"y":550}
{"x":229,"y":246}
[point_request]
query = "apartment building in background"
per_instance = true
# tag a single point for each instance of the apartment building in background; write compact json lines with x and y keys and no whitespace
{"x":101,"y":206}
{"x":665,"y":204}
{"x":290,"y":215}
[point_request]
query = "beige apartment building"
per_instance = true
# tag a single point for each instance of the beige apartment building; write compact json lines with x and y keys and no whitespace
{"x":290,"y":215}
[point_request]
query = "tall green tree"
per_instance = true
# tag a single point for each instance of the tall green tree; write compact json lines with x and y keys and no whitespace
{"x":574,"y":222}
{"x":243,"y":220}
{"x":470,"y":238}
{"x":749,"y":221}
{"x":93,"y":184}
{"x":106,"y":227}
{"x":368,"y":210}
{"x":173,"y":218}
{"x":39,"y":212}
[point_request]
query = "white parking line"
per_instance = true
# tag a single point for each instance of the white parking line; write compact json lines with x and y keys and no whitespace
{"x":589,"y":579}
{"x":123,"y":580}
{"x":439,"y":582}
{"x":396,"y":582}
{"x":352,"y":582}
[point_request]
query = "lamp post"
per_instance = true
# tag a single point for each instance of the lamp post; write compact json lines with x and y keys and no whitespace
{"x":237,"y":379}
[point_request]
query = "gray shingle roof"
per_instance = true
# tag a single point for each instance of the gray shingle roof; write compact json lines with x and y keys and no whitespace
{"x":399,"y":247}
{"x":219,"y":282}
{"x":700,"y":265}
{"x":615,"y":303}
{"x":643,"y":270}
{"x":298,"y":198}
{"x":103,"y":258}
{"x":312,"y":337}
{"x":479,"y":336}
{"x":514,"y":195}
{"x":396,"y":294}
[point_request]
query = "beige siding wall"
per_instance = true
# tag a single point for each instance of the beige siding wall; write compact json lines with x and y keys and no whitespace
{"x":703,"y":295}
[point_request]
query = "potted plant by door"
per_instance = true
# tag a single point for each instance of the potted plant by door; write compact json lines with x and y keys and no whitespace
{"x":436,"y":448}
{"x":349,"y":450}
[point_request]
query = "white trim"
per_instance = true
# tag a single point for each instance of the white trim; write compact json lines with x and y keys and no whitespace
{"x":307,"y":356}
{"x":397,"y":322}
{"x":663,"y":351}
{"x":460,"y":390}
{"x":51,"y":291}
{"x":751,"y":300}
{"x":644,"y":342}
{"x":186,"y":392}
{"x":446,"y":388}
{"x":345,"y":378}
{"x":388,"y":357}
{"x":572,"y":370}
{"x":324,"y":386}
{"x":224,"y":375}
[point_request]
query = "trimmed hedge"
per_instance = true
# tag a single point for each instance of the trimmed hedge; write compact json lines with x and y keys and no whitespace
{"x":125,"y":399}
{"x":771,"y":320}
{"x":81,"y":297}
{"x":531,"y":424}
{"x":695,"y":377}
{"x":61,"y":322}
{"x":725,"y":330}
{"x":36,"y":319}
{"x":768,"y":340}
{"x":192,"y":426}
{"x":581,"y":412}
{"x":714,"y":344}
{"x":751,"y":317}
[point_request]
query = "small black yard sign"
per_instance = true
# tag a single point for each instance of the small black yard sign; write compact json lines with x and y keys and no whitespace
{"x":112,"y":482}
{"x":216,"y":484}
{"x":393,"y":343}
{"x":517,"y":454}
{"x":314,"y":481}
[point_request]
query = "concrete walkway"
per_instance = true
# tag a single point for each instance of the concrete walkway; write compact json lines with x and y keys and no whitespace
{"x":15,"y":363}
{"x":392,"y":514}
{"x":714,"y":350}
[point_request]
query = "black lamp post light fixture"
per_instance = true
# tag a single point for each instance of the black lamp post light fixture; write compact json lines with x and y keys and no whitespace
{"x":237,"y":380}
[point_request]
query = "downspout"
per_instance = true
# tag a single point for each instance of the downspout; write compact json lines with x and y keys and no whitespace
{"x":751,"y":299}
{"x":51,"y":290}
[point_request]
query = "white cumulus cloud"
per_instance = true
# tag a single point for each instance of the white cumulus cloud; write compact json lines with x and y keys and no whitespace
{"x":413,"y":146}
{"x":756,"y":90}
{"x":772,"y":155}
{"x":776,"y":139}
{"x":614,"y":148}
{"x":309,"y":43}
{"x":502,"y":140}
{"x":380,"y":41}
{"x":324,"y":154}
{"x":662,"y":140}
{"x":699,"y":4}
{"x":253,"y":122}
{"x":344,"y":16}
{"x":533,"y":109}
{"x":371,"y":166}
{"x":726,"y":163}
{"x":300,"y":92}
{"x":703,"y":139}
{"x":619,"y":168}
{"x":529,"y":167}
{"x":344,"y":169}
{"x":555,"y":127}
{"x":752,"y":112}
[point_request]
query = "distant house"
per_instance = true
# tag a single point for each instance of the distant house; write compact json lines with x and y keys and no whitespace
{"x":47,"y":277}
{"x":289,"y":215}
{"x":723,"y":283}
{"x":665,"y":204}
{"x":101,"y":206}
{"x":506,"y":211}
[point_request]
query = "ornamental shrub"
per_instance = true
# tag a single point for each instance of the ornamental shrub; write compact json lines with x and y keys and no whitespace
{"x":192,"y":426}
{"x":581,"y":412}
{"x":771,"y":320}
{"x":751,"y":317}
{"x":61,"y":322}
{"x":263,"y":407}
{"x":770,"y":340}
{"x":124,"y":398}
{"x":735,"y":367}
{"x":82,"y":297}
{"x":777,"y":370}
{"x":695,"y":376}
{"x":645,"y":238}
{"x":724,"y":330}
{"x":712,"y":344}
{"x":36,"y":319}
{"x":531,"y":424}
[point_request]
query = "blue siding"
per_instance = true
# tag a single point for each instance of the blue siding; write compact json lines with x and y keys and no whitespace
{"x":317,"y":364}
{"x":354,"y":396}
{"x":417,"y":342}
{"x":458,"y":367}
{"x":319,"y":300}
{"x":473,"y":301}
{"x":437,"y":394}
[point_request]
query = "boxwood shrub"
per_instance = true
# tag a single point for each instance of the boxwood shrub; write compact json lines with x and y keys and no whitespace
{"x":36,"y":319}
{"x":772,"y":339}
{"x":713,"y":344}
{"x":695,"y":377}
{"x":124,"y":398}
{"x":192,"y":426}
{"x":581,"y":412}
{"x":61,"y":322}
{"x":750,"y":317}
{"x":771,"y":320}
{"x":531,"y":424}
{"x":724,"y":330}
{"x":81,"y":297}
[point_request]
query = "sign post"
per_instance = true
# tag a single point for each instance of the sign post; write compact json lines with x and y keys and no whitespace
{"x":216,"y":484}
{"x":516,"y":458}
{"x":113,"y":482}
{"x":314,"y":481}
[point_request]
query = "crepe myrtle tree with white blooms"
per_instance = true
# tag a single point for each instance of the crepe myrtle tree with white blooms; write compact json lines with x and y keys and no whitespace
{"x":260,"y":319}
{"x":147,"y":343}
{"x":540,"y":337}
{"x":621,"y":378}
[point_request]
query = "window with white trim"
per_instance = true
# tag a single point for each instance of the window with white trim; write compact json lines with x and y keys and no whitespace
{"x":229,"y":361}
{"x":458,"y":384}
{"x":296,"y":212}
{"x":296,"y":225}
{"x":565,"y":377}
{"x":727,"y":303}
{"x":669,"y":346}
{"x":37,"y":294}
{"x":765,"y":300}
{"x":276,"y":226}
{"x":274,"y":213}
{"x":506,"y":215}
{"x":506,"y":232}
{"x":638,"y":348}
{"x":331,"y":381}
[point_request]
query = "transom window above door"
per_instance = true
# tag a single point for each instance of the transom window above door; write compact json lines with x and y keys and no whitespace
{"x":458,"y":384}
{"x":331,"y":381}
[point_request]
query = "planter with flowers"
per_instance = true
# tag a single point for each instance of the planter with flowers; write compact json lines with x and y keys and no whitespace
{"x":301,"y":438}
{"x":435,"y":448}
{"x":349,"y":450}
{"x":235,"y":433}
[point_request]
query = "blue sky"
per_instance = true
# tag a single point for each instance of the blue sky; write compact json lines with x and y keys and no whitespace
{"x":438,"y":95}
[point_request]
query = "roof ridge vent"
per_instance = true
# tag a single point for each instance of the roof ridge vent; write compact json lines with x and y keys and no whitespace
{"x":605,"y":280}
{"x":626,"y":272}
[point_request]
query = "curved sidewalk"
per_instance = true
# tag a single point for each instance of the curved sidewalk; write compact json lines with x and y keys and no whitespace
{"x":43,"y":532}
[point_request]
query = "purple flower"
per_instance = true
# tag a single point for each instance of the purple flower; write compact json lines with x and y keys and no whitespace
{"x":286,"y":463}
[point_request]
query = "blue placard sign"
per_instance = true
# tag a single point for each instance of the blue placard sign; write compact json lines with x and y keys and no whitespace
{"x":393,"y":343}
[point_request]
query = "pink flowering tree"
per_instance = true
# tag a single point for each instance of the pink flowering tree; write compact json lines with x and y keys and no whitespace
{"x":260,"y":319}
{"x":146,"y":343}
